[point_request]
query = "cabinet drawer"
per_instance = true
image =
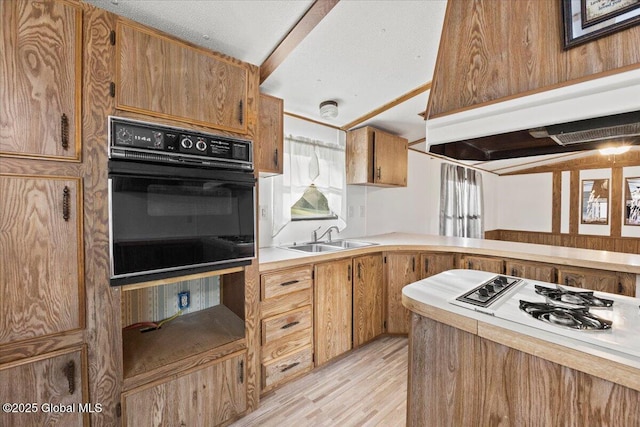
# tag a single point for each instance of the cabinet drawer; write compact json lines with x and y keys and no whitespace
{"x":287,"y":302}
{"x":285,"y":324}
{"x":289,"y":344}
{"x":285,"y":282}
{"x":279,"y":370}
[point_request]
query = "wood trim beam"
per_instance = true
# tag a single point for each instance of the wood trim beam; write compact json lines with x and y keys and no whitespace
{"x":556,"y":202}
{"x":616,"y":202}
{"x":595,"y":161}
{"x":297,"y":116}
{"x":419,"y":141}
{"x":449,"y":160}
{"x":574,"y":202}
{"x":312,"y":17}
{"x":415,"y":92}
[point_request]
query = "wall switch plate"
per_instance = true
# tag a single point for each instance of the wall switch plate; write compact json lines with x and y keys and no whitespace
{"x":184,"y":300}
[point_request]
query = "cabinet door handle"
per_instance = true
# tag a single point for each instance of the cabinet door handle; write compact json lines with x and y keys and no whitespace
{"x":70,"y":372}
{"x":379,"y":172}
{"x":469,"y":265}
{"x":349,"y":273}
{"x":286,"y":368}
{"x":620,"y":289}
{"x":241,"y":371}
{"x":413,"y":264}
{"x":514,"y":272}
{"x":426,"y":266}
{"x":288,"y":325}
{"x":241,"y":112}
{"x":290,"y":282}
{"x":65,"y":203}
{"x":64,"y":132}
{"x":359,"y":271}
{"x":275,"y":157}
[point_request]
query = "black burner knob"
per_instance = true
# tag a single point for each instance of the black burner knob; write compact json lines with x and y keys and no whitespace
{"x":483,"y":292}
{"x":489,"y":288}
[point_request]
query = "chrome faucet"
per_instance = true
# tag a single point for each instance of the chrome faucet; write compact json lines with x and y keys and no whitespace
{"x":314,"y":234}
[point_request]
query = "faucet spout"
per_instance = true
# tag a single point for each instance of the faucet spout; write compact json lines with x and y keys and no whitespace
{"x":327,"y":233}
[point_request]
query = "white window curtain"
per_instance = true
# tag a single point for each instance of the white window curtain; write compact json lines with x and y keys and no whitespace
{"x":461,"y":202}
{"x":300,"y":169}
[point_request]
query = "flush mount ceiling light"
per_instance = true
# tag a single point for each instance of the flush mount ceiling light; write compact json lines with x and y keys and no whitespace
{"x":620,"y":149}
{"x":329,"y":109}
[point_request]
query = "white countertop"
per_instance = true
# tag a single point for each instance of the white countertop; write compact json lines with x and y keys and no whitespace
{"x":613,"y":261}
{"x":438,"y":291}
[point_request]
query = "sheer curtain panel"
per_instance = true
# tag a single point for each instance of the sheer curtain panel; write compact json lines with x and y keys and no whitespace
{"x":460,"y":202}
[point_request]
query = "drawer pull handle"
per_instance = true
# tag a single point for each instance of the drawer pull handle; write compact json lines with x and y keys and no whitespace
{"x":65,"y":203}
{"x":286,"y":368}
{"x":290,"y":282}
{"x":288,"y":325}
{"x":64,"y":132}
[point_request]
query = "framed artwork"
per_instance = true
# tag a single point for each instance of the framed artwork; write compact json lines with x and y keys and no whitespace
{"x":632,"y":201}
{"x":586,"y":20}
{"x":595,"y":201}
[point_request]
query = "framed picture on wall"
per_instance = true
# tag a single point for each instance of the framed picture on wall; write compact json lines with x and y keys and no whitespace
{"x":586,"y":20}
{"x":595,"y":201}
{"x":632,"y":201}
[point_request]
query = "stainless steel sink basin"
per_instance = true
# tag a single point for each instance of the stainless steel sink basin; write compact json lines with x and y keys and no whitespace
{"x":349,"y":244}
{"x":337,"y":245}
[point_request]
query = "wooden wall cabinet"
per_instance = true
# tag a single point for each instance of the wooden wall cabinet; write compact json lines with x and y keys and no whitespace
{"x":401,"y":268}
{"x":376,"y":157}
{"x":42,"y":274}
{"x":531,"y":270}
{"x":57,"y":378}
{"x":41,"y":79}
{"x":269,"y":146}
{"x":368,"y":298}
{"x":286,"y":306}
{"x":208,"y":396}
{"x":434,"y":263}
{"x":597,"y":280}
{"x":333,"y":296}
{"x":178,"y":81}
{"x":474,"y":262}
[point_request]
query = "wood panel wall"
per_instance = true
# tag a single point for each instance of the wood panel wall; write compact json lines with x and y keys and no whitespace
{"x":630,"y":245}
{"x":495,"y":50}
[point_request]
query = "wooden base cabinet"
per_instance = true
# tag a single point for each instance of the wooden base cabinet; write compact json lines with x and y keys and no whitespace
{"x":432,"y":264}
{"x":531,"y":270}
{"x":492,"y":265}
{"x":333,"y":307}
{"x":45,"y":390}
{"x":286,"y":306}
{"x":597,"y":280}
{"x":208,"y":396}
{"x":401,"y":268}
{"x":368,"y":298}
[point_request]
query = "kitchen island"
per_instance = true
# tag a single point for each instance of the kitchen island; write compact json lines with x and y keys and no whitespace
{"x":497,"y":365}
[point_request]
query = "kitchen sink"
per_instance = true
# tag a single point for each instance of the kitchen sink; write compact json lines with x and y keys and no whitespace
{"x":337,"y":245}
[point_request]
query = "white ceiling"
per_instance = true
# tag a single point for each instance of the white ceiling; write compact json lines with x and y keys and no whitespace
{"x":364,"y":54}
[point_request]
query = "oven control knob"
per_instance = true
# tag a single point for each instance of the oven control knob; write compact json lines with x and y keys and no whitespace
{"x":483,"y":292}
{"x":186,"y":142}
{"x":489,"y":288}
{"x":201,"y":145}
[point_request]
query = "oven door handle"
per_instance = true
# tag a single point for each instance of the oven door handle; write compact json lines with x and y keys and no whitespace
{"x":139,"y":169}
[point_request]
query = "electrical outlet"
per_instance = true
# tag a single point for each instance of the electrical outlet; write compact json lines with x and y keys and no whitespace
{"x":184,"y":300}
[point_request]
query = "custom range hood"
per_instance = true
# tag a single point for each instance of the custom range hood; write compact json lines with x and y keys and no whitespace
{"x":583,"y":116}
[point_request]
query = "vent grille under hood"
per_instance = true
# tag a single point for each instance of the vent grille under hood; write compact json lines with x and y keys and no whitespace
{"x":597,"y":129}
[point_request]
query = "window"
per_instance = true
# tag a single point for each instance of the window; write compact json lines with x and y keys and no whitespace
{"x":460,"y":202}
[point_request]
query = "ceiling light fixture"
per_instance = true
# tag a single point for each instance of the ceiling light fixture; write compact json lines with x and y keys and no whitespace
{"x":620,"y":149}
{"x":329,"y":109}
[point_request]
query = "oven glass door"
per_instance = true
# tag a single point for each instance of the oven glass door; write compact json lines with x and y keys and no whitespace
{"x":169,"y":221}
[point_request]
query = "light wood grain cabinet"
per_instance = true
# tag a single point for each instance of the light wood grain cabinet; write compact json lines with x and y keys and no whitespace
{"x":178,"y":81}
{"x":208,"y":396}
{"x":482,"y":263}
{"x":376,"y":157}
{"x":38,"y":383}
{"x":270,"y":140}
{"x":286,"y":306}
{"x":431,"y":264}
{"x":41,"y":79}
{"x":368,"y":298}
{"x":401,"y":268}
{"x":531,"y":270}
{"x":41,"y":279}
{"x":597,"y":280}
{"x":333,"y":309}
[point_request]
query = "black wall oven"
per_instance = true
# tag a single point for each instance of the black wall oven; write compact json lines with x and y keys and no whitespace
{"x":180,"y":202}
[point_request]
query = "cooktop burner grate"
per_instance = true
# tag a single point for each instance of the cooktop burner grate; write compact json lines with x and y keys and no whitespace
{"x":573,"y":318}
{"x":583,"y":298}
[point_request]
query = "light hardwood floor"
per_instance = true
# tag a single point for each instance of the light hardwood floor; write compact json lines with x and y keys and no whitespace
{"x":368,"y":387}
